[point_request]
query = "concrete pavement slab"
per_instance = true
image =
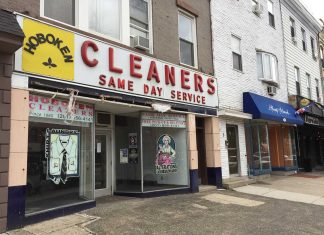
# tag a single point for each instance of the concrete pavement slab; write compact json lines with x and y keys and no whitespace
{"x":319,"y":201}
{"x":250,"y":189}
{"x":280,"y":194}
{"x":200,"y":206}
{"x":294,"y":197}
{"x":75,"y":230}
{"x":226,"y":199}
{"x":61,"y":225}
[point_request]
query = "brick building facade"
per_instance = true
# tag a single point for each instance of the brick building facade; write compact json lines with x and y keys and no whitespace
{"x":35,"y":189}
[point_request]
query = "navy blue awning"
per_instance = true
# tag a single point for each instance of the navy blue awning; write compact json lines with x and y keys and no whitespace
{"x":268,"y":109}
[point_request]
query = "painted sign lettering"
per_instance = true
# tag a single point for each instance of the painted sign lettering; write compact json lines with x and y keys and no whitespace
{"x":61,"y":54}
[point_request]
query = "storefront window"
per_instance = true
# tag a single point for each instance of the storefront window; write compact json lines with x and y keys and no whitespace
{"x":258,"y":148}
{"x":160,"y":161}
{"x":282,"y":147}
{"x":128,"y":160}
{"x":289,"y":145}
{"x":165,"y":162}
{"x":60,"y":161}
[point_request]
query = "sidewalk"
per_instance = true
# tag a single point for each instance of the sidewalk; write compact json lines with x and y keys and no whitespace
{"x":208,"y":212}
{"x":302,"y":187}
{"x":74,"y":224}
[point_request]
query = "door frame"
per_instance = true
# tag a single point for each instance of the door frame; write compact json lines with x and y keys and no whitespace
{"x":238,"y":150}
{"x":109,"y":146}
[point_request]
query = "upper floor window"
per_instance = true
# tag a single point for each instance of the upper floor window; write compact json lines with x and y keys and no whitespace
{"x":308,"y":85}
{"x":304,"y":39}
{"x":271,"y":14}
{"x":236,"y":53}
{"x":139,"y":22}
{"x":60,"y":10}
{"x":99,"y":10}
{"x":297,"y":80}
{"x":292,"y":29}
{"x":254,"y":3}
{"x":118,"y":20}
{"x":267,"y":67}
{"x":187,"y":39}
{"x":317,"y":90}
{"x":313,"y":47}
{"x":322,"y":56}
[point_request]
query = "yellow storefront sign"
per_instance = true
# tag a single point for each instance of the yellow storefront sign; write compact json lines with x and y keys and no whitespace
{"x":48,"y":51}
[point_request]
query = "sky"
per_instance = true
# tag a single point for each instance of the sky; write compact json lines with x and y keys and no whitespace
{"x":315,"y":7}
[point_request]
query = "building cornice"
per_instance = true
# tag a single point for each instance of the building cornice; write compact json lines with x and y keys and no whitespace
{"x":299,"y":11}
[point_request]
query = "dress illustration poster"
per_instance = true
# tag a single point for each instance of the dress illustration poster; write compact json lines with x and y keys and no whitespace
{"x":166,"y":155}
{"x":62,"y":153}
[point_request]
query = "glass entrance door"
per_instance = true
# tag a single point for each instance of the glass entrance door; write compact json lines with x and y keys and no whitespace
{"x":232,"y":149}
{"x":102,"y":163}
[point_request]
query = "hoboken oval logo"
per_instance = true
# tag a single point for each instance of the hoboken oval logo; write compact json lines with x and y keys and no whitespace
{"x":48,"y":50}
{"x":34,"y":41}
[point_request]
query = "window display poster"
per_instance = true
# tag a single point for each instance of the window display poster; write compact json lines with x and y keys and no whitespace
{"x":132,"y":145}
{"x":45,"y":107}
{"x":62,"y":152}
{"x":166,"y":154}
{"x":169,"y":120}
{"x":132,"y":140}
{"x":133,"y":156}
{"x":123,"y":155}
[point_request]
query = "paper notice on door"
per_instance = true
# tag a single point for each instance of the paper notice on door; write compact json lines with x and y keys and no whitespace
{"x":98,"y":147}
{"x":123,"y":154}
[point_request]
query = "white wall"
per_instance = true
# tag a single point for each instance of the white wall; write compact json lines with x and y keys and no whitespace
{"x":236,"y":17}
{"x":296,"y":56}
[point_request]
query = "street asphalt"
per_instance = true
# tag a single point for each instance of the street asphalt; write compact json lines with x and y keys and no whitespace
{"x":210,"y":212}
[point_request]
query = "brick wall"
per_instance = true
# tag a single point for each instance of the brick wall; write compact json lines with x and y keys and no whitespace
{"x":5,"y":100}
{"x":165,"y":27}
{"x":27,"y":7}
{"x":165,"y":31}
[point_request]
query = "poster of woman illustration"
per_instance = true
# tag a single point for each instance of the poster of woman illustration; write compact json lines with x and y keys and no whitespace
{"x":166,"y":155}
{"x":62,"y":153}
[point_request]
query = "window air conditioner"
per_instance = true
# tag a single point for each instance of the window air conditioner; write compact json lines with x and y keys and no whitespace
{"x":294,"y":39}
{"x":319,"y":99}
{"x":257,"y":9}
{"x":141,"y":43}
{"x":272,"y":90}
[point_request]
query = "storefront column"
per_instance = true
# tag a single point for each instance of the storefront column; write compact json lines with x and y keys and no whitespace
{"x":18,"y":158}
{"x":11,"y":38}
{"x":213,"y":159}
{"x":5,"y":84}
{"x":192,"y":152}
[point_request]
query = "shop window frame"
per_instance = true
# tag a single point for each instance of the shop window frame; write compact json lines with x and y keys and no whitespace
{"x":142,"y":163}
{"x":82,"y":186}
{"x":251,"y":167}
{"x":291,"y":129}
